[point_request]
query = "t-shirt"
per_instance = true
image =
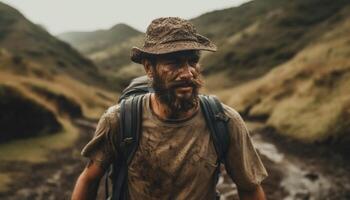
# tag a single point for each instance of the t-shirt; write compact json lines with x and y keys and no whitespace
{"x":176,"y":159}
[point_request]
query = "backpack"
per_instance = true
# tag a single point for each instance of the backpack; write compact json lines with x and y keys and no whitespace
{"x":130,"y":123}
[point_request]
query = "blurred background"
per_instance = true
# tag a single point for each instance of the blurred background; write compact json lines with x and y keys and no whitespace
{"x":283,"y":64}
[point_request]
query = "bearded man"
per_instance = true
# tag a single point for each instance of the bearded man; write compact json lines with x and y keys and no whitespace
{"x":176,"y":157}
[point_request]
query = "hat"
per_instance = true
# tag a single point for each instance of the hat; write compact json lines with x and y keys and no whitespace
{"x":171,"y":34}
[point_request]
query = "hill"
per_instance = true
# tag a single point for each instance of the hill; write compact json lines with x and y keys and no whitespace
{"x":284,"y":66}
{"x":90,"y":42}
{"x":43,"y":81}
{"x":110,"y":50}
{"x":306,"y":98}
{"x":260,"y":35}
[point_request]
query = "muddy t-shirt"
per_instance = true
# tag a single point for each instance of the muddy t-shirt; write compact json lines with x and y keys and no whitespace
{"x":177,"y":159}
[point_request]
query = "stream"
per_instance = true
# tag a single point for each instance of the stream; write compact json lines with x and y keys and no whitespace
{"x":300,"y":178}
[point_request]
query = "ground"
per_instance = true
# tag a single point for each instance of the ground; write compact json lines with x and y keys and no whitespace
{"x":296,"y":171}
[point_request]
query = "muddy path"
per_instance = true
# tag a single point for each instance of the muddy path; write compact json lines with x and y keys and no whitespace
{"x":295,"y":171}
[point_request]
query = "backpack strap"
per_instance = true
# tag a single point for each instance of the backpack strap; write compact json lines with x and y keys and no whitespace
{"x":135,"y":91}
{"x":217,"y":123}
{"x":138,"y":86}
{"x":129,"y":134}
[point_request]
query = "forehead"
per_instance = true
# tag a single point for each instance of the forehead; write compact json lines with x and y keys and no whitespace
{"x":190,"y":54}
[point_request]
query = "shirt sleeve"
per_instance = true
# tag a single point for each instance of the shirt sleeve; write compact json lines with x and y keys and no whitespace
{"x":101,"y":148}
{"x":242,"y":163}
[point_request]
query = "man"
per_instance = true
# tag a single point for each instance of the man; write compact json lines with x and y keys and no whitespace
{"x":176,"y":158}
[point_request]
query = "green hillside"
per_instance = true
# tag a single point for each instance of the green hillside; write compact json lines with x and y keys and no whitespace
{"x":221,"y":24}
{"x":26,"y":41}
{"x":260,"y":35}
{"x":44,"y":82}
{"x":286,"y":64}
{"x":306,"y":98}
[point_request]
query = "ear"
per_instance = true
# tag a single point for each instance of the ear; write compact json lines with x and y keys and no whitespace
{"x":148,"y":68}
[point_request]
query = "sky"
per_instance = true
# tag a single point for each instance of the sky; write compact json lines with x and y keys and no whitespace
{"x":59,"y":16}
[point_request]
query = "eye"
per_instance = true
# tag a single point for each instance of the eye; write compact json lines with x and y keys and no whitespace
{"x":169,"y":61}
{"x":172,"y":63}
{"x":193,"y":62}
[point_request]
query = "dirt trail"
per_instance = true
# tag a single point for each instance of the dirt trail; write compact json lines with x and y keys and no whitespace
{"x":296,"y":172}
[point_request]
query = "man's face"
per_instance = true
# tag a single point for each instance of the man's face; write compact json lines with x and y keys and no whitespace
{"x":176,"y":80}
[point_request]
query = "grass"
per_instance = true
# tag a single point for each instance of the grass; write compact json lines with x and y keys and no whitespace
{"x":92,"y":99}
{"x":37,"y":149}
{"x":265,"y":35}
{"x":307,"y":97}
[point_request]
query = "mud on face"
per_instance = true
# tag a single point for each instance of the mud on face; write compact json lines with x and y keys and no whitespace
{"x":169,"y":76}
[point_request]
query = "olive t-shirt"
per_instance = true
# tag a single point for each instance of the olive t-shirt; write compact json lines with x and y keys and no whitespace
{"x":176,"y":159}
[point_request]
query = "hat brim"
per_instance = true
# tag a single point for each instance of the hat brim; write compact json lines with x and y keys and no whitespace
{"x":137,"y":54}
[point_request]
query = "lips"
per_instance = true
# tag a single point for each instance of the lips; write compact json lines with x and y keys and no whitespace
{"x":184,"y":91}
{"x":181,"y":84}
{"x":188,"y":88}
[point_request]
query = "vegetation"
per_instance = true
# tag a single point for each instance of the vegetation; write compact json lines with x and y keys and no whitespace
{"x":37,"y":149}
{"x":44,"y":83}
{"x":307,"y":97}
{"x":267,"y":39}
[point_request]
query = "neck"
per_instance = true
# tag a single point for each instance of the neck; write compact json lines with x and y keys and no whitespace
{"x":164,"y":112}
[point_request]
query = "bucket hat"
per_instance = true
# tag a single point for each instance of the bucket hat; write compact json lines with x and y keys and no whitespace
{"x":171,"y":34}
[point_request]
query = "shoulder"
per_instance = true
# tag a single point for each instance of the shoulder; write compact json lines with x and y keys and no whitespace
{"x":231,"y":113}
{"x":111,"y":116}
{"x":112,"y":112}
{"x":236,"y":122}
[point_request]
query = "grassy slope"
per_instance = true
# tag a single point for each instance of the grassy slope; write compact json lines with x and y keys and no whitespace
{"x":267,"y":34}
{"x":221,"y":24}
{"x":92,"y":100}
{"x":31,"y":58}
{"x":27,"y":42}
{"x":306,"y":98}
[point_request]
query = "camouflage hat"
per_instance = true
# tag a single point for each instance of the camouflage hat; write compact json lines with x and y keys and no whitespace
{"x":171,"y":34}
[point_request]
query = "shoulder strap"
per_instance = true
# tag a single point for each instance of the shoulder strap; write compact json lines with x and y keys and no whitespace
{"x":135,"y":91}
{"x":138,"y":86}
{"x":130,"y":125}
{"x":217,"y":123}
{"x":129,"y":134}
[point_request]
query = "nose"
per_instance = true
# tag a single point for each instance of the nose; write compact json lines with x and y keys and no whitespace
{"x":185,"y":72}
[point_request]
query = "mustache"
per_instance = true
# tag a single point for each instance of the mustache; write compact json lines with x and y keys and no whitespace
{"x":185,"y":83}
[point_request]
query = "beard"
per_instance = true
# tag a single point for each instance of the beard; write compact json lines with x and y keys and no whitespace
{"x":165,"y":90}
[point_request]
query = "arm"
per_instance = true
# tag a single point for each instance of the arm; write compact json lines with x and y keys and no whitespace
{"x":87,"y":184}
{"x":243,"y":163}
{"x":255,"y":194}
